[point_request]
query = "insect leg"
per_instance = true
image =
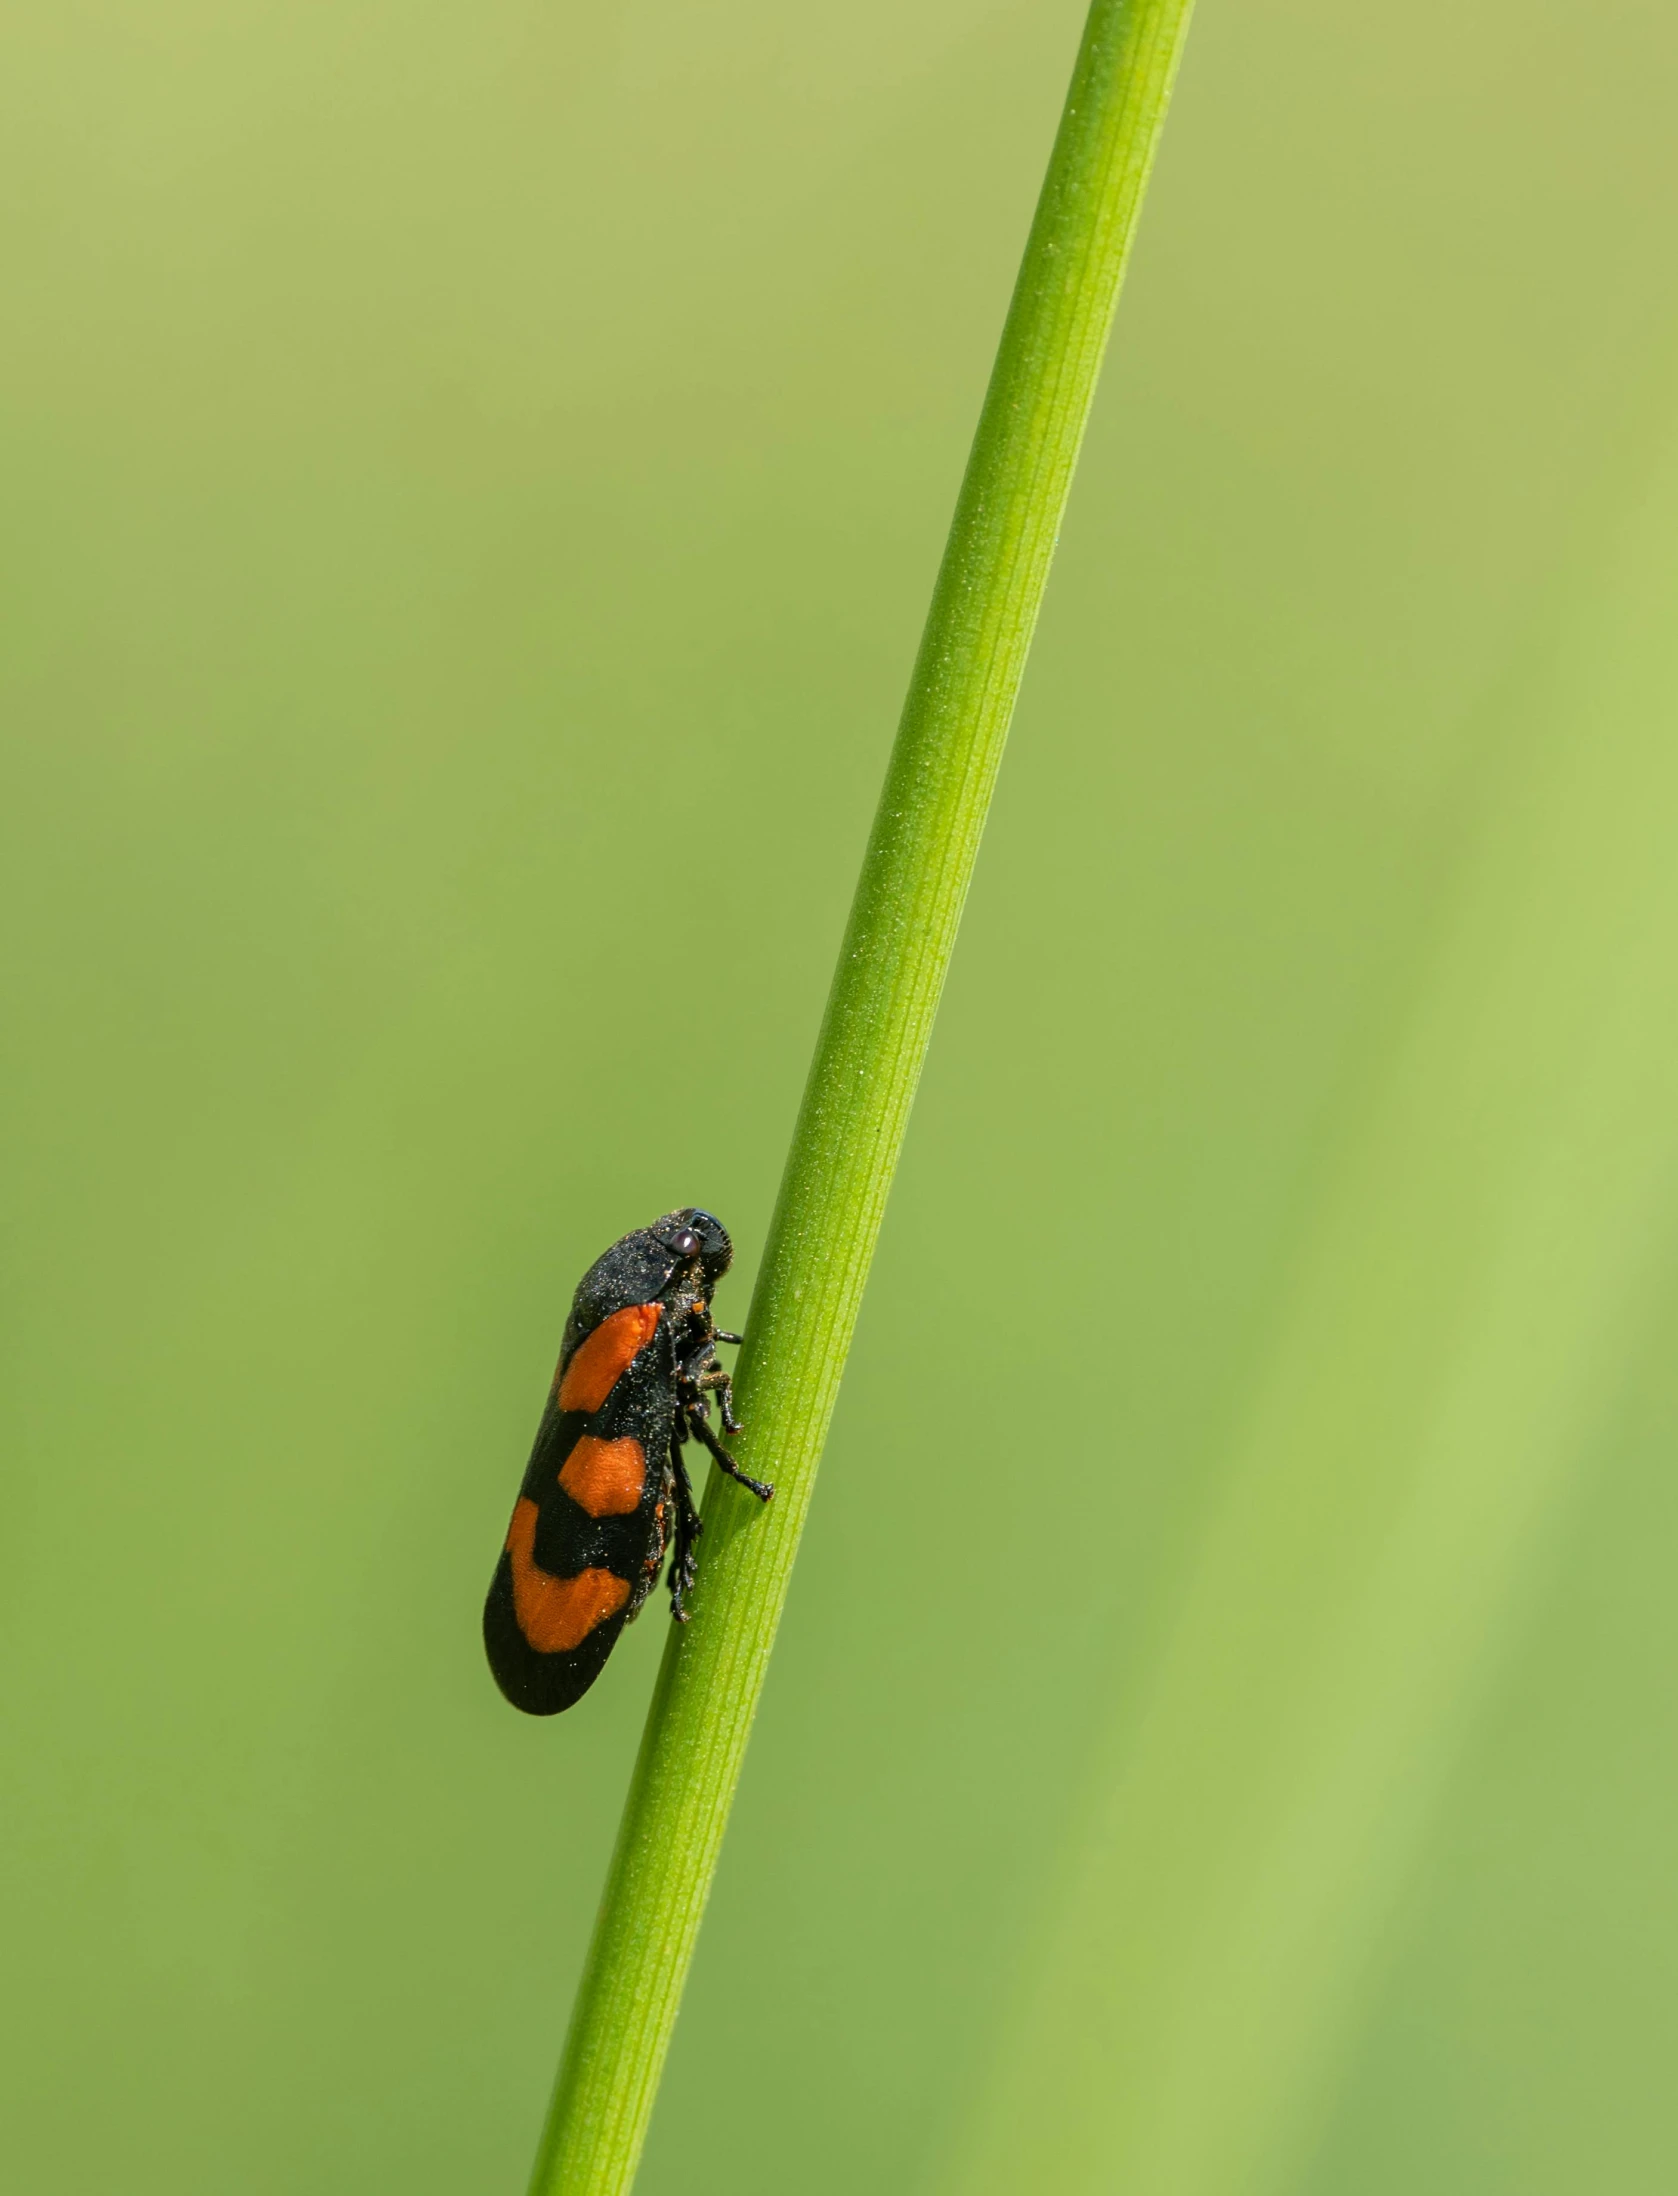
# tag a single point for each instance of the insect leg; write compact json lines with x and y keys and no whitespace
{"x":713,"y":1380}
{"x":698,"y":1426}
{"x":688,"y":1527}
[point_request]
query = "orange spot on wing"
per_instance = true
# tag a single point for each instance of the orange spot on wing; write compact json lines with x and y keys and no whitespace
{"x":605,"y":1477}
{"x":597,"y":1362}
{"x":556,"y":1614}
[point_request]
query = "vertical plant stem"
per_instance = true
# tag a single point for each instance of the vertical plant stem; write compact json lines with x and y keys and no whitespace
{"x":862,"y":1082}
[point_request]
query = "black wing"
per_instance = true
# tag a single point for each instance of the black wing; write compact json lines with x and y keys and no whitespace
{"x":593,"y":1516}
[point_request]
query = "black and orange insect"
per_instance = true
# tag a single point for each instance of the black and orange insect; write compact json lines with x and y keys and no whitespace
{"x":606,"y":1491}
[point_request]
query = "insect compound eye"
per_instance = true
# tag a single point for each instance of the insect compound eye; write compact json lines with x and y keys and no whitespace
{"x":685,"y":1243}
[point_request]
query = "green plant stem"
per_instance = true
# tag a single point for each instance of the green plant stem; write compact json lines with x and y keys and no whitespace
{"x":862,"y":1082}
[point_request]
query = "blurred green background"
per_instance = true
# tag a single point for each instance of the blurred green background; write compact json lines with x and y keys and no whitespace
{"x":475,"y":476}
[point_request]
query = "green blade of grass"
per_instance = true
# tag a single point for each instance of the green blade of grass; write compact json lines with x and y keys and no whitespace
{"x":862,"y":1083}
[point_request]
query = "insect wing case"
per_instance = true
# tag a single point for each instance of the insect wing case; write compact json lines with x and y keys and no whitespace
{"x":590,"y":1525}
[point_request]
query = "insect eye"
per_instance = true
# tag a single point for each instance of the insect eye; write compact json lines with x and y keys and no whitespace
{"x":685,"y":1243}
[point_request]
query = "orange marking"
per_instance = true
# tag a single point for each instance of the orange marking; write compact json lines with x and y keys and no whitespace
{"x":556,"y":1614}
{"x":605,"y":1477}
{"x":597,"y":1363}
